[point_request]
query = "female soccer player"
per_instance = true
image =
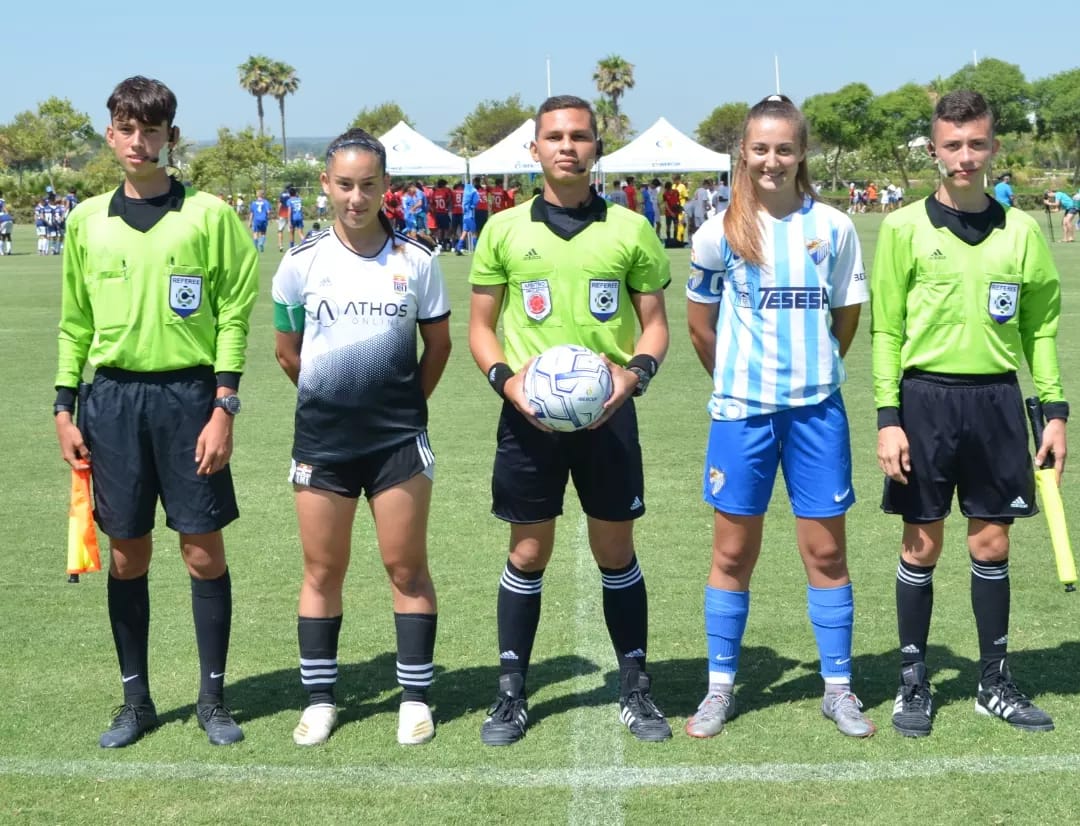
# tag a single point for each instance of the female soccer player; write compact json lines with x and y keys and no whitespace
{"x":348,"y":304}
{"x":773,"y":306}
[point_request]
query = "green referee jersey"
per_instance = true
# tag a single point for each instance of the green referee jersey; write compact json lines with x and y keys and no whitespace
{"x":569,"y":290}
{"x":178,"y":295}
{"x":945,"y":306}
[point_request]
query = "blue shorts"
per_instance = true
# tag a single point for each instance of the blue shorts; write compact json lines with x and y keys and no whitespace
{"x":259,"y":226}
{"x":468,"y":223}
{"x":297,"y":223}
{"x":810,"y":443}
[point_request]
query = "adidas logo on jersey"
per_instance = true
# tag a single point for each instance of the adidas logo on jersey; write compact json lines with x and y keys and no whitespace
{"x":532,"y":255}
{"x":937,"y":255}
{"x":1018,"y":502}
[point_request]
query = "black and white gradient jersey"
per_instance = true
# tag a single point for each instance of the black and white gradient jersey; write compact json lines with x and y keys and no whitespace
{"x":359,"y":389}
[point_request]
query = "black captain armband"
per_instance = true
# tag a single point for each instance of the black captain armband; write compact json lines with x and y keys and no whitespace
{"x":498,"y":375}
{"x":1056,"y":410}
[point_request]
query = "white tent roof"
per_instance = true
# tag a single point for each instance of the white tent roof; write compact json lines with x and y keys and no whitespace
{"x":662,"y":147}
{"x":410,"y":153}
{"x":511,"y":154}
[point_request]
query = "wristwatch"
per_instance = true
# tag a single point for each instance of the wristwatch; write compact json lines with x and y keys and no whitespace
{"x":230,"y":404}
{"x":643,"y":380}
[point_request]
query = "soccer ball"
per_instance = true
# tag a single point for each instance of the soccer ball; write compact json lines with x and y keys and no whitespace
{"x":567,"y":386}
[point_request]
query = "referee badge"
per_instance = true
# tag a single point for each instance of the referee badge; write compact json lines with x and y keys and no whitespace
{"x":1002,"y":301}
{"x":603,"y":298}
{"x":536,"y":296}
{"x":185,"y":294}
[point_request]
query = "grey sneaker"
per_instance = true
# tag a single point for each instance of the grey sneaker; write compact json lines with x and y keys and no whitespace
{"x":713,"y":712}
{"x":844,"y":709}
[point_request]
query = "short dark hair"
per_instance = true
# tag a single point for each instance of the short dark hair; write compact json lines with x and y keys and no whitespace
{"x":556,"y":102}
{"x":961,"y":106}
{"x":292,"y":190}
{"x":142,"y":99}
{"x":358,"y":139}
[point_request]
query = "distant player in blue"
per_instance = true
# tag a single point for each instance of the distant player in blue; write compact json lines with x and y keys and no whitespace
{"x":71,"y":200}
{"x":40,"y":227}
{"x":1061,"y":200}
{"x":1003,"y":191}
{"x":7,"y":224}
{"x":296,"y":217}
{"x":468,"y":218}
{"x":282,"y":217}
{"x":774,"y":297}
{"x":411,"y":205}
{"x":648,"y":204}
{"x":59,"y":227}
{"x":259,"y":220}
{"x":316,"y":228}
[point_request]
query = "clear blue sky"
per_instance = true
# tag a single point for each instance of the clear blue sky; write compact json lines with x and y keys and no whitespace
{"x":689,"y":56}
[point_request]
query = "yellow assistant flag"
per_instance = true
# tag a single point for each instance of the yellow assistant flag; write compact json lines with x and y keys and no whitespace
{"x":83,"y":556}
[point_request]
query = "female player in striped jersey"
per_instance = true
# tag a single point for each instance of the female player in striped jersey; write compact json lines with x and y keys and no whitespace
{"x":348,"y":305}
{"x":774,"y":299}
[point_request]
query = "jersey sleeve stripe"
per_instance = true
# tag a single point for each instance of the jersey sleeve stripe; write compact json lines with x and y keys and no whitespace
{"x":434,"y":319}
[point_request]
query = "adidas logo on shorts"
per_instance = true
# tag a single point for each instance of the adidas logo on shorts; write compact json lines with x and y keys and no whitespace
{"x":1018,"y":502}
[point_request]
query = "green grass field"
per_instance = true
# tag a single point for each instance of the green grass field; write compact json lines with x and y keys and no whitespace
{"x":780,"y":762}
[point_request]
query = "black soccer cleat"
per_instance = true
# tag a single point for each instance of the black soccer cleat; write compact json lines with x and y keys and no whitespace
{"x":638,"y":711}
{"x":508,"y":717}
{"x":913,"y":709}
{"x":218,"y":723}
{"x":1003,"y":699}
{"x":130,"y":722}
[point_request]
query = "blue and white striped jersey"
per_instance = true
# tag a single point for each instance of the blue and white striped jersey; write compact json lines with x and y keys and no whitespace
{"x":774,"y":345}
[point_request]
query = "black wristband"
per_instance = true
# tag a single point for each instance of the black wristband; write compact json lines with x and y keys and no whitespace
{"x":65,"y":397}
{"x":228,"y":378}
{"x":888,"y":417}
{"x":498,"y":375}
{"x":1056,"y":410}
{"x":645,"y":362}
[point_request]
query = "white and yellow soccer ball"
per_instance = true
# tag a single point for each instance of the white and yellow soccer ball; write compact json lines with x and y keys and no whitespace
{"x":567,"y":387}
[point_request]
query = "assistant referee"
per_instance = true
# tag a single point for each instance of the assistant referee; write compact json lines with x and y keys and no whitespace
{"x":159,"y":281}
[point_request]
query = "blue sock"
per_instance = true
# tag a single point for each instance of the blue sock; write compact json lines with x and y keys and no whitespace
{"x":832,"y":614}
{"x":725,"y":622}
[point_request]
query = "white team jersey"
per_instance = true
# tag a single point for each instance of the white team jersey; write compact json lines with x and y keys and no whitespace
{"x":774,"y":345}
{"x":359,"y":389}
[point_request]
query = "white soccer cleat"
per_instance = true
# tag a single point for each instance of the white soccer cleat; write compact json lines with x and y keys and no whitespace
{"x":415,"y":726}
{"x":315,"y":725}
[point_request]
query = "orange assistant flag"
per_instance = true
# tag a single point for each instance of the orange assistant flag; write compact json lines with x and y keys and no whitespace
{"x":83,"y":556}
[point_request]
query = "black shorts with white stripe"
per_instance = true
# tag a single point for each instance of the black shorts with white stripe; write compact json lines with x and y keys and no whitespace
{"x":369,"y":474}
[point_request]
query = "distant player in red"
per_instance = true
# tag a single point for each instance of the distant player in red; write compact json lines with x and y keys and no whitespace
{"x":498,"y":197}
{"x":440,"y":200}
{"x":457,"y":211}
{"x":482,"y":204}
{"x":631,"y":194}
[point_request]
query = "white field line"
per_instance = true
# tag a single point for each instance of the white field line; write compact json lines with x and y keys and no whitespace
{"x":598,"y":777}
{"x":592,"y":745}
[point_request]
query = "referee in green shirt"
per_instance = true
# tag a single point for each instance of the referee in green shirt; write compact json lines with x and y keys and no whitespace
{"x":962,"y":291}
{"x":158,"y":283}
{"x":569,"y":268}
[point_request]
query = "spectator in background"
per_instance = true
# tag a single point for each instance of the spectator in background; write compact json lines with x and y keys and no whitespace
{"x":672,"y":210}
{"x":722,"y":194}
{"x":1068,"y":207}
{"x":1003,"y":191}
{"x":631,"y":194}
{"x":320,"y":206}
{"x":482,"y":206}
{"x":617,"y":196}
{"x":648,"y":204}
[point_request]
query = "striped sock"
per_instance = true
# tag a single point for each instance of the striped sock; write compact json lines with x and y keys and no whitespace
{"x":990,"y":601}
{"x":914,"y":607}
{"x":626,"y":612}
{"x":518,"y":613}
{"x":415,"y":654}
{"x":318,"y":657}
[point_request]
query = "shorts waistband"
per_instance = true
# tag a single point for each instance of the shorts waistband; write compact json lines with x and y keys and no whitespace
{"x":202,"y":372}
{"x":961,"y":379}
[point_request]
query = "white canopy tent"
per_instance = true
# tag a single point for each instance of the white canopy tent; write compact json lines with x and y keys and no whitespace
{"x":509,"y":155}
{"x":410,"y":153}
{"x":663,"y":148}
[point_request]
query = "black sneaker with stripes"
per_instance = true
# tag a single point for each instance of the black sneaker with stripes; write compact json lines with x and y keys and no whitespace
{"x":638,"y":711}
{"x":1003,"y":699}
{"x":508,"y":717}
{"x":913,"y":708}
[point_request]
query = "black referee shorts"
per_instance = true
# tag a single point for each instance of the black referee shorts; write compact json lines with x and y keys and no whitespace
{"x":532,"y":467}
{"x":141,"y":429}
{"x":968,"y":434}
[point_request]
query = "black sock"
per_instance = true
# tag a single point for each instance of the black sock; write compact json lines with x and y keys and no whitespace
{"x":415,"y":654}
{"x":211,"y":605}
{"x":129,"y":615}
{"x":914,"y":607}
{"x":318,"y":656}
{"x":626,"y":612}
{"x":518,"y":613}
{"x":990,"y":596}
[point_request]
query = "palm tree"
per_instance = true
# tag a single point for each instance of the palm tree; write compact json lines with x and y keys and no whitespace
{"x":283,"y":81}
{"x":613,"y":76}
{"x":255,"y":77}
